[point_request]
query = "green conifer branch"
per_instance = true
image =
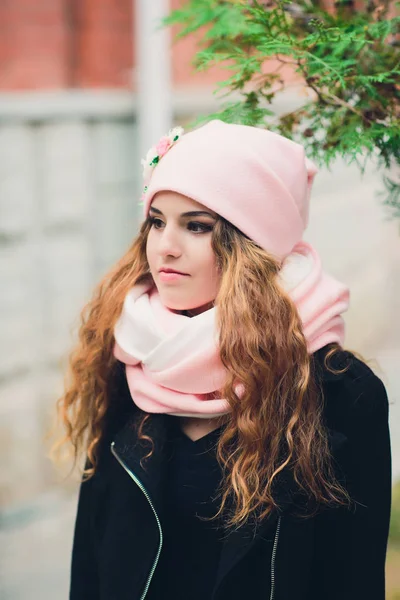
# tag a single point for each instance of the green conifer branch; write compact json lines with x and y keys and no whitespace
{"x":348,"y":60}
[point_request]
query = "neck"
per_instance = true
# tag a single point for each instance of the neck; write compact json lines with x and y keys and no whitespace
{"x":195,"y":427}
{"x":197,"y":311}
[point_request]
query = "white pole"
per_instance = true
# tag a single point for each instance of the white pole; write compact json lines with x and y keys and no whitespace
{"x":153,"y":76}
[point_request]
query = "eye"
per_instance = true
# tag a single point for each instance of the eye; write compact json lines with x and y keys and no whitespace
{"x":153,"y":221}
{"x":203,"y":226}
{"x":194,"y":226}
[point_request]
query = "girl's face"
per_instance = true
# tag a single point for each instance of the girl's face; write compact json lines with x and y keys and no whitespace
{"x":182,"y":242}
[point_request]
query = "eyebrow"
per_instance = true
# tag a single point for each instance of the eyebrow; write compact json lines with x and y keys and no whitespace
{"x":193,"y":213}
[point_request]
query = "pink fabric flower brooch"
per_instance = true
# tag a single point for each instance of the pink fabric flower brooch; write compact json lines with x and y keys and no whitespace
{"x":155,"y":154}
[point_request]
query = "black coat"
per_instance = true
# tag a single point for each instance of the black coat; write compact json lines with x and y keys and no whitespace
{"x":338,"y":554}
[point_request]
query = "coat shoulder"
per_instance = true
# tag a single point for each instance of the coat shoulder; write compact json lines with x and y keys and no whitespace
{"x":350,"y":386}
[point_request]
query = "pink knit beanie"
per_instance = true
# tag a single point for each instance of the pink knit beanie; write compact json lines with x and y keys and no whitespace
{"x":257,"y":180}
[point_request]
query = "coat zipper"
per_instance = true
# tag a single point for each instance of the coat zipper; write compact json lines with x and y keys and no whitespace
{"x":145,"y":492}
{"x":274,"y":549}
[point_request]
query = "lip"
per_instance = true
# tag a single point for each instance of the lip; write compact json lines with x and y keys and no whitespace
{"x":168,"y":270}
{"x":171,"y":276}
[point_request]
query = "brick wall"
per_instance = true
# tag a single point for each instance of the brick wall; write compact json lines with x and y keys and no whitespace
{"x":34,"y":44}
{"x":53,"y":44}
{"x":65,"y":43}
{"x":103,"y":43}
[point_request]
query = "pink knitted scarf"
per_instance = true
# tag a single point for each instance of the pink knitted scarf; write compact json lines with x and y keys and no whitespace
{"x":172,"y":360}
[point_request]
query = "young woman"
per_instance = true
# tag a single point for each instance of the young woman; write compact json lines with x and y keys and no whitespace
{"x":233,"y":448}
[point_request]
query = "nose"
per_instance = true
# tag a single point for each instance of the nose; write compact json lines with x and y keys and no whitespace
{"x":169,"y":242}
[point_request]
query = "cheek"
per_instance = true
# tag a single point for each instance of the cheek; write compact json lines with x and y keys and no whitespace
{"x":207,"y":266}
{"x":149,"y":250}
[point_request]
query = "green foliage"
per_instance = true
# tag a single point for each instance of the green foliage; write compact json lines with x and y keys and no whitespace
{"x":349,"y":61}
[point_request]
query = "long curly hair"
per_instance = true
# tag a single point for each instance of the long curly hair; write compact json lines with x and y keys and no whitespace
{"x":276,"y":424}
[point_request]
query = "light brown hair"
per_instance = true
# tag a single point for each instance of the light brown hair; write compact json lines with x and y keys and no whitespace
{"x":276,"y":424}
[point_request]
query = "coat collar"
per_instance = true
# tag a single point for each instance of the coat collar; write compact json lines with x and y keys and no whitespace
{"x":132,"y":452}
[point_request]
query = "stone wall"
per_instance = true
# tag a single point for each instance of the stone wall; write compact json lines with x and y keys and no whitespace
{"x":67,"y":213}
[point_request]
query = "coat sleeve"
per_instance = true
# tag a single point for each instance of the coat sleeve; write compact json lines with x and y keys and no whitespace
{"x":84,"y":583}
{"x":350,"y":544}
